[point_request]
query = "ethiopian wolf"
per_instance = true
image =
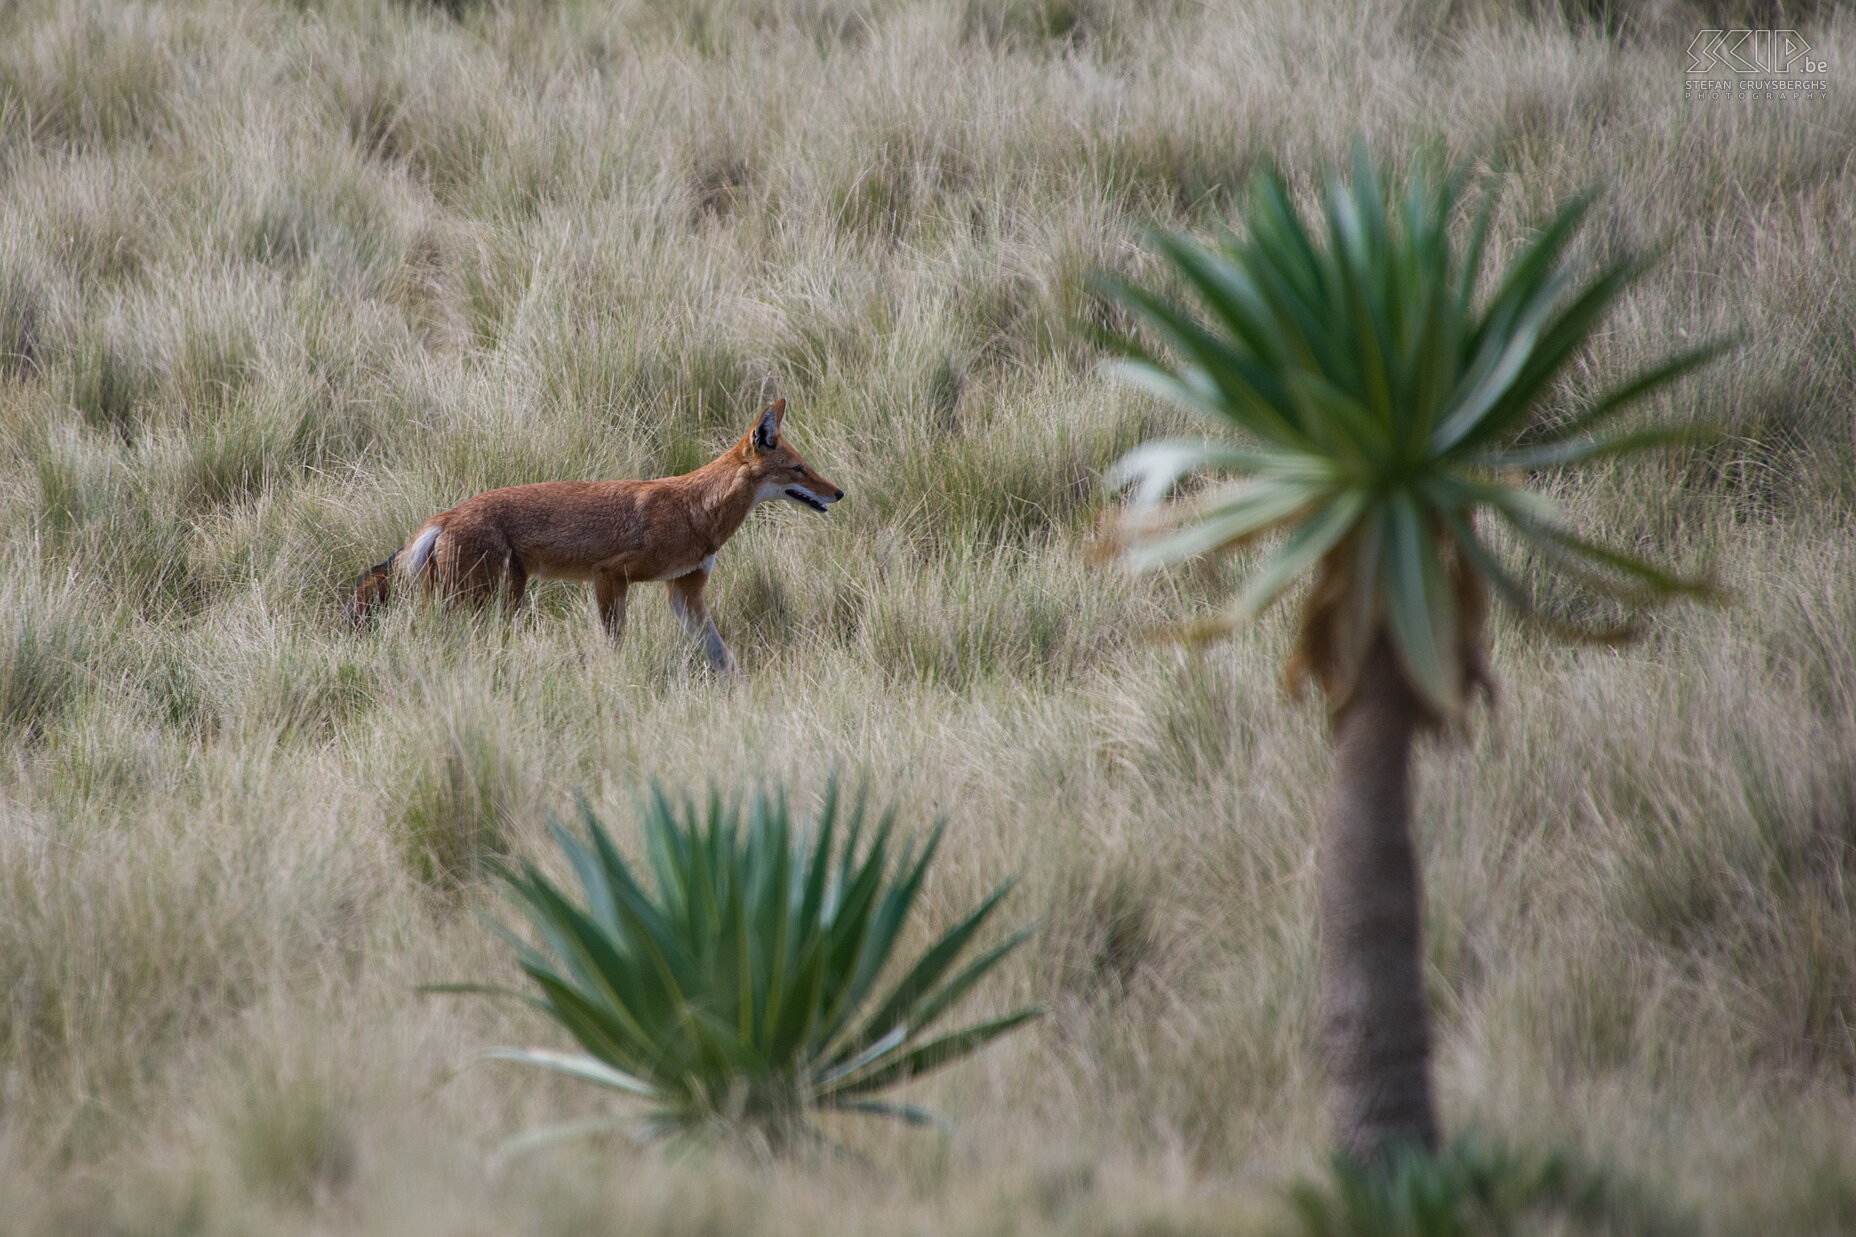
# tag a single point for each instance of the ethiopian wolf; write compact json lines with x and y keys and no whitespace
{"x":613,"y":533}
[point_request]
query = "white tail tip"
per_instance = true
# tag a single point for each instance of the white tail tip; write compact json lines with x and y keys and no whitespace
{"x":421,"y":551}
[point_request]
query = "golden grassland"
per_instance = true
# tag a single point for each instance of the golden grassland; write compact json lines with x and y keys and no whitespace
{"x":278,"y":281}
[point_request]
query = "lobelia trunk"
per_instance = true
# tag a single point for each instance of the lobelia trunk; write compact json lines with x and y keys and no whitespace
{"x":1375,"y":1029}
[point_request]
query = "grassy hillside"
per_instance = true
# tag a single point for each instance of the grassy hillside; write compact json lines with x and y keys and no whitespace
{"x":278,"y":281}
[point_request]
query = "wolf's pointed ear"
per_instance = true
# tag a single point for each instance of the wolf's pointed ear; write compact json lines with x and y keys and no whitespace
{"x":767,"y":429}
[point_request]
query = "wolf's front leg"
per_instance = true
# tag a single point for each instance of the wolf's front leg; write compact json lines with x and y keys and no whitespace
{"x":687,"y":604}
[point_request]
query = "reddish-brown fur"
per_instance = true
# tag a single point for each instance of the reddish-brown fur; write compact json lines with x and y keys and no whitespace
{"x":612,"y":533}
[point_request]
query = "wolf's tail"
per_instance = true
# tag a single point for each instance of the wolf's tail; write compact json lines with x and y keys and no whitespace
{"x":373,"y":587}
{"x":371,"y":590}
{"x":419,"y":553}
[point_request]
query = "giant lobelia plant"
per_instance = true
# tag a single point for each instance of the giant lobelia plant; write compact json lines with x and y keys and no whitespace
{"x":1383,"y":404}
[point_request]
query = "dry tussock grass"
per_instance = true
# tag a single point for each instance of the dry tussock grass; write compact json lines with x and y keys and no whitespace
{"x":278,"y":280}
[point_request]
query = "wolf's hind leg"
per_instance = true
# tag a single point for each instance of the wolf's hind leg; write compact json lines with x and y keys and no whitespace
{"x":515,"y":583}
{"x":609,"y":589}
{"x":471,"y":566}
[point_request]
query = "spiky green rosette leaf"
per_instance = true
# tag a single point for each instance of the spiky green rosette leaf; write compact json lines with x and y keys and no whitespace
{"x":1376,"y":399}
{"x":752,"y":972}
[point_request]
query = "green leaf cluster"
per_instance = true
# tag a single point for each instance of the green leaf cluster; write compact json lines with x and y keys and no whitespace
{"x":1375,"y":397}
{"x":1475,"y":1188}
{"x":758,"y":974}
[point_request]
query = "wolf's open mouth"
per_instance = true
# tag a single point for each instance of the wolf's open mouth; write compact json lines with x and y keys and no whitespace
{"x":800,"y":496}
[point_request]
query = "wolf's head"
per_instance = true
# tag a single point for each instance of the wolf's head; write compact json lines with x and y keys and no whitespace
{"x":780,"y":471}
